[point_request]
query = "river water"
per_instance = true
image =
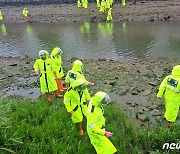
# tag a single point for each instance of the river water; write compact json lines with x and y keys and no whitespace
{"x":117,"y":41}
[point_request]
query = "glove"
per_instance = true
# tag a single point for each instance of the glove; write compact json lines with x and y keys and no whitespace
{"x":70,"y":113}
{"x":36,"y":72}
{"x":108,"y":134}
{"x":91,"y":83}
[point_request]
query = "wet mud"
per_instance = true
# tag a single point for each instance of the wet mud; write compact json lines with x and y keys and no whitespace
{"x":131,"y":84}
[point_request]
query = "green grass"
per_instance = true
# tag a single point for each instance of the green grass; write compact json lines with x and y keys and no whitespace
{"x":41,"y":127}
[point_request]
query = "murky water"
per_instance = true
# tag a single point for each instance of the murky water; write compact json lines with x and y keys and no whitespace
{"x":118,"y":41}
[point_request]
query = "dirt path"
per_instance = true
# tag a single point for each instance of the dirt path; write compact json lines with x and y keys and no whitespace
{"x":141,"y":11}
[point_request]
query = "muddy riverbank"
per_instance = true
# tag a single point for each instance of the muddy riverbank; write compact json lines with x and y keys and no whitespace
{"x":140,"y":11}
{"x":132,"y":84}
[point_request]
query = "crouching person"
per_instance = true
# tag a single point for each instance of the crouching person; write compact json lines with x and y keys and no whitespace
{"x":96,"y":124}
{"x":76,"y":99}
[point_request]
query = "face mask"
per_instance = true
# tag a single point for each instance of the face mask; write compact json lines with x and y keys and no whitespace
{"x":106,"y":100}
{"x":43,"y":57}
{"x":81,"y":87}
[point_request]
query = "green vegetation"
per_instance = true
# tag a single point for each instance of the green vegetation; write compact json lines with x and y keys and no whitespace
{"x":41,"y":127}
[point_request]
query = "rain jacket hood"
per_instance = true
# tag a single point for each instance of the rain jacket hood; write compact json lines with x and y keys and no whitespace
{"x":41,"y":51}
{"x":77,"y":65}
{"x":55,"y":51}
{"x":176,"y":71}
{"x":97,"y":98}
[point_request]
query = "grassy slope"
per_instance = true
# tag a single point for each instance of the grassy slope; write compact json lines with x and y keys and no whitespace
{"x":38,"y":127}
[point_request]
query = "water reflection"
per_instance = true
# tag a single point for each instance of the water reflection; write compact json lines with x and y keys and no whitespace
{"x":3,"y":29}
{"x":117,"y":41}
{"x":29,"y":29}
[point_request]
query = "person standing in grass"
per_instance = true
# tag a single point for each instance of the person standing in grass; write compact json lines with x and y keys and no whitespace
{"x":26,"y":14}
{"x":57,"y":60}
{"x":1,"y":17}
{"x":170,"y":87}
{"x":76,"y":99}
{"x":76,"y":73}
{"x":96,"y":124}
{"x":45,"y":68}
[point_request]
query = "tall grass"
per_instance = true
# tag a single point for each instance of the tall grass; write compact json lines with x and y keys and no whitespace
{"x":42,"y":127}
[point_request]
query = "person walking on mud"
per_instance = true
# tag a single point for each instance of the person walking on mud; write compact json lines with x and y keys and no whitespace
{"x":76,"y":73}
{"x":96,"y":124}
{"x":1,"y":17}
{"x":109,"y":15}
{"x":25,"y":13}
{"x":45,"y":68}
{"x":57,"y":61}
{"x":82,"y":4}
{"x":170,"y":87}
{"x":76,"y":99}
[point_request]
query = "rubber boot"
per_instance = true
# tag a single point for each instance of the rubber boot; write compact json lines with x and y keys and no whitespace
{"x":79,"y":9}
{"x":48,"y":98}
{"x":81,"y":132}
{"x":27,"y":19}
{"x":57,"y":94}
{"x":168,"y":123}
{"x":60,"y":85}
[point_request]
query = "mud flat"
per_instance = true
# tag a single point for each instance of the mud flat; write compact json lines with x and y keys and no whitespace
{"x":131,"y":84}
{"x":140,"y":11}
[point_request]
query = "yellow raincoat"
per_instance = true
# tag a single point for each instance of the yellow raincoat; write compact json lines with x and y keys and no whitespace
{"x":170,"y":87}
{"x":96,"y":126}
{"x":46,"y":69}
{"x":85,"y":4}
{"x":75,"y":73}
{"x":79,"y":4}
{"x":25,"y":12}
{"x":76,"y":101}
{"x":123,"y":3}
{"x":109,"y":16}
{"x":103,"y":6}
{"x":57,"y":61}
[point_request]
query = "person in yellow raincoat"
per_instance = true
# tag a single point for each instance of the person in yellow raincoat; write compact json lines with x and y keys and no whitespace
{"x":76,"y":99}
{"x":170,"y":87}
{"x":111,"y":2}
{"x":123,"y":3}
{"x":76,"y":73}
{"x":25,"y":14}
{"x":79,"y":4}
{"x":98,"y":4}
{"x":45,"y":69}
{"x":96,"y":124}
{"x":109,"y":15}
{"x":108,"y":4}
{"x":57,"y":60}
{"x":1,"y":17}
{"x":103,"y":7}
{"x":85,"y":4}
